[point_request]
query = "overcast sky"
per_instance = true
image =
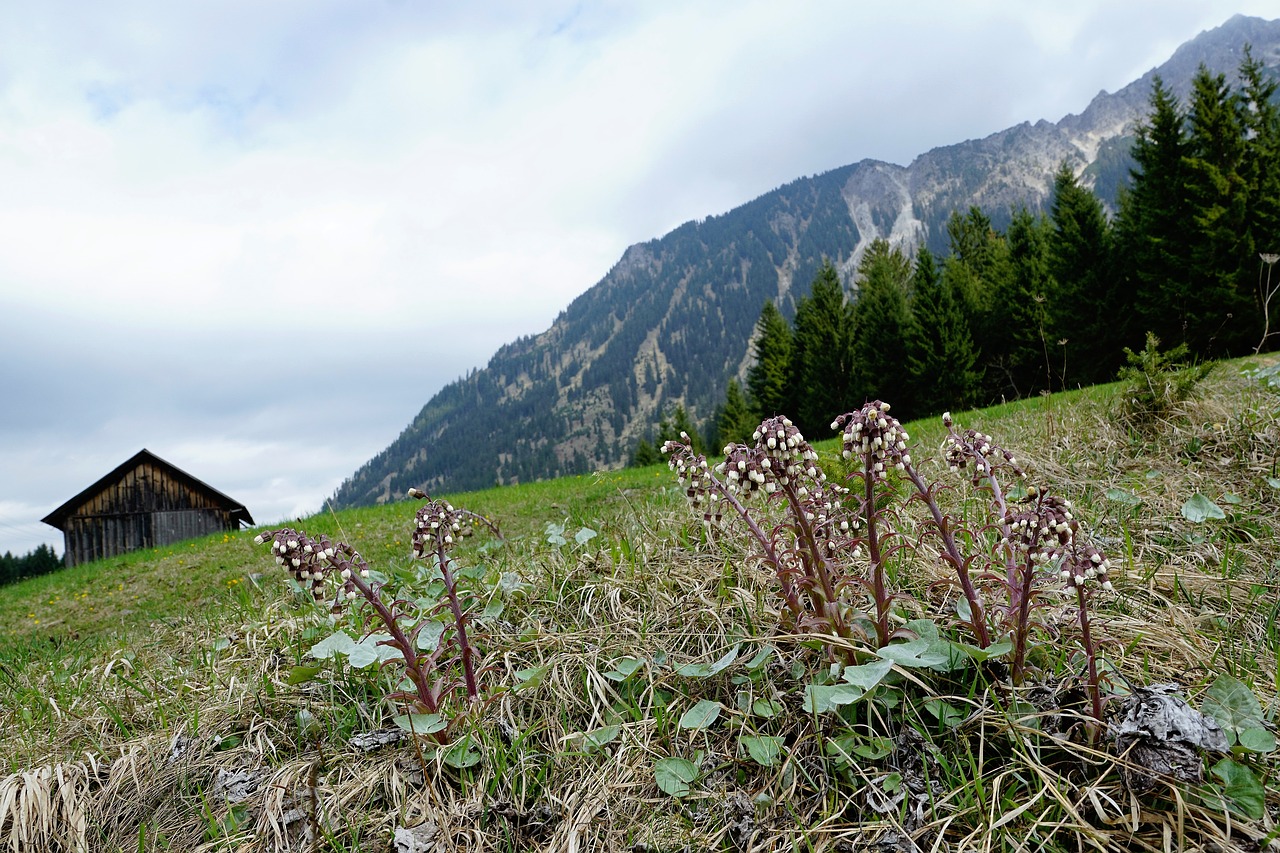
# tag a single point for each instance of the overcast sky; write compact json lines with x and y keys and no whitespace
{"x":255,"y":238}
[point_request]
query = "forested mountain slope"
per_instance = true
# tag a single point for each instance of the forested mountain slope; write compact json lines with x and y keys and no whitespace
{"x":672,"y":321}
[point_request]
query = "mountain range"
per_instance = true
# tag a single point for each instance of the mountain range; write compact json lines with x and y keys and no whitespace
{"x":672,"y":321}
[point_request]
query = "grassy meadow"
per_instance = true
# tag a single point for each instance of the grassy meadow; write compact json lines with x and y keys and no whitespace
{"x":642,"y":690}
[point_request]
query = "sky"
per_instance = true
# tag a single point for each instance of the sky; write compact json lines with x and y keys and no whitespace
{"x":256,"y":238}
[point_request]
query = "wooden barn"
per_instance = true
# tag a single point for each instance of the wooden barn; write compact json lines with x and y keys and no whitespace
{"x":144,"y":503}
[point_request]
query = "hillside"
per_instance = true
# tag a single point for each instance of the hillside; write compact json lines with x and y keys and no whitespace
{"x":644,"y":688}
{"x":672,"y":321}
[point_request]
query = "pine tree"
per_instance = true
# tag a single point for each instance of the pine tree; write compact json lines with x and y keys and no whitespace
{"x":1215,"y":304}
{"x":1155,"y":222}
{"x":880,"y":320}
{"x":979,"y":271}
{"x":644,"y":455}
{"x":735,"y":421}
{"x":767,"y":380}
{"x":1020,"y":355}
{"x":1082,"y":305}
{"x":670,"y":427}
{"x":1261,"y":170}
{"x":820,"y":356}
{"x":941,"y":354}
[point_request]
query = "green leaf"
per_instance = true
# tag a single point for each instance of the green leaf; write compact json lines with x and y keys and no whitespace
{"x":821,"y":698}
{"x":555,"y":534}
{"x":763,"y":749}
{"x":843,"y":748}
{"x":701,"y":715}
{"x":337,"y":643}
{"x":463,"y":754}
{"x":766,"y":708}
{"x":1244,"y":793}
{"x":948,"y":715}
{"x":1273,"y":482}
{"x":675,"y":775}
{"x":420,"y":724}
{"x":1229,"y":701}
{"x":308,"y":725}
{"x":1256,"y":740}
{"x":429,"y":635}
{"x":705,"y":670}
{"x":914,"y":653}
{"x":531,"y":677}
{"x":362,"y":655}
{"x":925,"y":629}
{"x":1233,"y":499}
{"x":384,"y":652}
{"x":760,"y":657}
{"x":585,"y":535}
{"x":874,"y":748}
{"x":1123,"y":496}
{"x":995,"y":650}
{"x":369,"y":651}
{"x":868,"y":675}
{"x":846,"y":747}
{"x":1198,"y":508}
{"x":624,"y":668}
{"x":597,"y":738}
{"x":303,"y":674}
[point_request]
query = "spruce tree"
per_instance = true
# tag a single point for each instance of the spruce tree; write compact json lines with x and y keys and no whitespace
{"x":1083,"y":308}
{"x":1261,"y":170}
{"x":1155,"y":223}
{"x":820,"y":357}
{"x":1215,"y":303}
{"x":979,"y":271}
{"x":768,"y":378}
{"x":941,"y":355}
{"x":880,"y":320}
{"x":735,"y":421}
{"x":1020,"y":355}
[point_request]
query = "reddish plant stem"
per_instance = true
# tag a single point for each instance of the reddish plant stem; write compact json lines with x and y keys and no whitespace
{"x":464,"y":645}
{"x":766,"y":545}
{"x":1021,"y":624}
{"x":873,"y":551}
{"x":1095,"y":688}
{"x":816,"y":566}
{"x":398,"y":638}
{"x":951,"y":552}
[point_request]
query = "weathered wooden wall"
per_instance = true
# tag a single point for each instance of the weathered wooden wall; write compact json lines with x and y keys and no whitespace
{"x":144,"y":508}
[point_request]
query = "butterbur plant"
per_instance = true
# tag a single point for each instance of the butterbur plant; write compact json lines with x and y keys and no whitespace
{"x":832,"y":541}
{"x":803,"y":551}
{"x":336,"y":573}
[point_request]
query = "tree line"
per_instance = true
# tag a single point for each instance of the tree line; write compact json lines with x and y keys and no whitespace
{"x":41,"y":561}
{"x":1054,"y":299}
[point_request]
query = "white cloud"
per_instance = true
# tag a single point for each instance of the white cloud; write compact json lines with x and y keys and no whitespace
{"x":217,"y":215}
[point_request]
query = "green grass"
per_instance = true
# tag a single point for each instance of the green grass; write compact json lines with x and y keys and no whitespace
{"x":106,"y":668}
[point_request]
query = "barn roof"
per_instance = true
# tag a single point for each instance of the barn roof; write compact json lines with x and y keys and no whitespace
{"x":58,"y":517}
